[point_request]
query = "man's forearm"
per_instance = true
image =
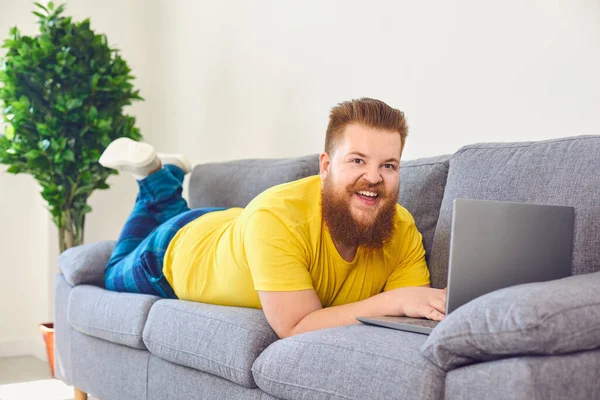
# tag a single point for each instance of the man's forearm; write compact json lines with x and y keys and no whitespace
{"x":346,"y":314}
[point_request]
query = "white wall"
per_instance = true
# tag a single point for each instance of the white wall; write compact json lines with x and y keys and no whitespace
{"x":243,"y":79}
{"x":257,"y":79}
{"x":23,"y":287}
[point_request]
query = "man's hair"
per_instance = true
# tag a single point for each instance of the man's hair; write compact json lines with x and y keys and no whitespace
{"x":365,"y":111}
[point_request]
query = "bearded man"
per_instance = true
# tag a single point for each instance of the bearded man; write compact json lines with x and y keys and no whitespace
{"x":313,"y":253}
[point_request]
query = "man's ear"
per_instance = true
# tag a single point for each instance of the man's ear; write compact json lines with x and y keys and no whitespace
{"x":324,"y":165}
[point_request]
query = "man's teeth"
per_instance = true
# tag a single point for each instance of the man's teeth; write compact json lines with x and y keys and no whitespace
{"x":369,"y":194}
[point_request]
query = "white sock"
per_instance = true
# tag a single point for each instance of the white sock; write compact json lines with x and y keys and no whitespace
{"x":178,"y":160}
{"x":127,"y":155}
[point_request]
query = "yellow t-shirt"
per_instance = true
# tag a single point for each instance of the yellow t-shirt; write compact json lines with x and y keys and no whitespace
{"x":280,"y":243}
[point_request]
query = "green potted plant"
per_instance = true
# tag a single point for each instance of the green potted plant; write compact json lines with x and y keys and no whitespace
{"x":62,"y":94}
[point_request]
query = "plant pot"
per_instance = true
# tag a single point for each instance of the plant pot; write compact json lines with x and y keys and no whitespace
{"x":48,"y":334}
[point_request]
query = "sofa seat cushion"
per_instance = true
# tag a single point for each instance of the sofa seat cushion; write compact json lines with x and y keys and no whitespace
{"x":352,"y":362}
{"x":555,"y":172}
{"x":236,"y":183}
{"x":115,"y":317}
{"x":223,"y":341}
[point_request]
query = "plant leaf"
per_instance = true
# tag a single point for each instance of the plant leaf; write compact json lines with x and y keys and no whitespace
{"x":41,"y":6}
{"x":9,"y":132}
{"x":95,"y":79}
{"x":93,"y":113}
{"x":14,"y":169}
{"x":69,"y":156}
{"x":74,"y":103}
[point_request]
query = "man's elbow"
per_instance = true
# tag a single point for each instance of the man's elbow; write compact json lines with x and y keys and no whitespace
{"x":284,"y":335}
{"x":288,"y":333}
{"x":283,"y":332}
{"x":293,"y":331}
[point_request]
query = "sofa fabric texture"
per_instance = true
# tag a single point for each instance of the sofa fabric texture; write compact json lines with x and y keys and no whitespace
{"x":62,"y":330}
{"x":223,"y":341}
{"x":108,"y":370}
{"x":573,"y":376}
{"x":352,"y":362}
{"x":422,"y":184}
{"x":84,"y":265}
{"x":554,"y":172}
{"x":543,"y":318}
{"x":112,"y":316}
{"x":168,"y":381}
{"x":236,"y":183}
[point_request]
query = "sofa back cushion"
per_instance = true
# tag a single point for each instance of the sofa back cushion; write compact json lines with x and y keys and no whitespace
{"x":422,"y":184}
{"x":555,"y":172}
{"x":236,"y":183}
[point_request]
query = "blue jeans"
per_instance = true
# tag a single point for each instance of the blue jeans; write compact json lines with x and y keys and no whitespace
{"x":136,"y":263}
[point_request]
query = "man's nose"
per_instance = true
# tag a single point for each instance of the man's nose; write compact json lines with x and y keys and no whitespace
{"x":373,"y":176}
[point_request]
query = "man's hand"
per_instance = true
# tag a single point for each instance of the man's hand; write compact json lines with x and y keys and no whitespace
{"x":291,"y":313}
{"x":419,"y":302}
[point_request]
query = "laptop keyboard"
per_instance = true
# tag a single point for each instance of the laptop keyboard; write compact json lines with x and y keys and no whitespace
{"x":427,"y":323}
{"x":424,"y":322}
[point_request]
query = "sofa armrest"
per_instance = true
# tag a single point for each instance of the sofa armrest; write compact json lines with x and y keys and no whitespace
{"x":573,"y":376}
{"x":85,"y":264}
{"x":542,"y":318}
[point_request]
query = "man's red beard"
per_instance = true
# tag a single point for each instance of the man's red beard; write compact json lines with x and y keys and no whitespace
{"x":347,"y":230}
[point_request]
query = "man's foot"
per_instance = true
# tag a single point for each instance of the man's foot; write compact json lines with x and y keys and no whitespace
{"x":127,"y":155}
{"x":179,"y":160}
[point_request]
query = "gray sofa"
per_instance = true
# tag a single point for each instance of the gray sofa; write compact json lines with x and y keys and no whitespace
{"x":540,"y":340}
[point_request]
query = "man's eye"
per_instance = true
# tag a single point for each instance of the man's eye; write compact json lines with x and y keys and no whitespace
{"x":389,"y":166}
{"x":357,"y":161}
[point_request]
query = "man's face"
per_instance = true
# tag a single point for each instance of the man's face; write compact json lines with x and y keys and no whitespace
{"x":360,"y":186}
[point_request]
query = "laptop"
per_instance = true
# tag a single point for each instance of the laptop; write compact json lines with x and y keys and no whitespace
{"x":497,"y":244}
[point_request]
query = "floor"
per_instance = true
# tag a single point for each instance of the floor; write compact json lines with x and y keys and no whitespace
{"x":26,"y":378}
{"x":23,"y":369}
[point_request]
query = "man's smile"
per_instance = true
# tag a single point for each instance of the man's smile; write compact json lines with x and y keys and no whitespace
{"x":368,"y":198}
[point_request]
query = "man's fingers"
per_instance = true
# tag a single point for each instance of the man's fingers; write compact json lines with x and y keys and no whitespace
{"x":435,"y":315}
{"x":439,"y":304}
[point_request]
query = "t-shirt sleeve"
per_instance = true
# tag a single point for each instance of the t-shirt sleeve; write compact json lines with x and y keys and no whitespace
{"x":411,"y":267}
{"x":277,"y":259}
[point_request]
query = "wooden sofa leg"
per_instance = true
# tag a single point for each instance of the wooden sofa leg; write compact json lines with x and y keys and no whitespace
{"x":79,"y":395}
